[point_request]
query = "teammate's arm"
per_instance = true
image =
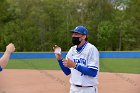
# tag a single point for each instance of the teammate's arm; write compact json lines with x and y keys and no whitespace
{"x":5,"y":58}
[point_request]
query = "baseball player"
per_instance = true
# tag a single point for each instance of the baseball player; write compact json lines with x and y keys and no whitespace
{"x":5,"y":58}
{"x":82,"y":62}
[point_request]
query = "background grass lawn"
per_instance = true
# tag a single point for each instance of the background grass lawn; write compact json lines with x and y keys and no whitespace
{"x":120,"y":65}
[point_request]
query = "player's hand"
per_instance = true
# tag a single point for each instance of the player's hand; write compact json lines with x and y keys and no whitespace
{"x":69,"y":63}
{"x":10,"y":48}
{"x":57,"y":51}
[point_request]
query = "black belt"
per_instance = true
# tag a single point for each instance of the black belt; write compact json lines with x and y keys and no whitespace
{"x":82,"y":86}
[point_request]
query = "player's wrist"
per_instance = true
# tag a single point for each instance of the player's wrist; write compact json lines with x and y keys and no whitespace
{"x":7,"y":52}
{"x":61,"y":59}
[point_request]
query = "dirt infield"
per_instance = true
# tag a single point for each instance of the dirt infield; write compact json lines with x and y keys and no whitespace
{"x":51,"y":81}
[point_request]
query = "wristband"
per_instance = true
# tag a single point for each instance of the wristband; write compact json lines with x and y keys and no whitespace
{"x":75,"y":65}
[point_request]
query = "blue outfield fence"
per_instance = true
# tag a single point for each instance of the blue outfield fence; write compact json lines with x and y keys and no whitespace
{"x":119,"y":54}
{"x":51,"y":55}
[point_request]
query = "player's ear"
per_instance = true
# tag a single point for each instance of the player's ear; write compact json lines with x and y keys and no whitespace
{"x":84,"y":37}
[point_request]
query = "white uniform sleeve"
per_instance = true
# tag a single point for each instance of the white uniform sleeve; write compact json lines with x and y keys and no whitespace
{"x":93,"y":58}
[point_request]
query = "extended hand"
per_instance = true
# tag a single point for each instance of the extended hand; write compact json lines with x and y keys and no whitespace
{"x":10,"y":48}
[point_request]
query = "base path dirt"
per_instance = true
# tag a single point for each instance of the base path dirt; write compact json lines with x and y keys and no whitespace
{"x":53,"y":81}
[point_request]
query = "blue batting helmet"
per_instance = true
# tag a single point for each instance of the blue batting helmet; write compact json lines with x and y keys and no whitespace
{"x":81,"y":30}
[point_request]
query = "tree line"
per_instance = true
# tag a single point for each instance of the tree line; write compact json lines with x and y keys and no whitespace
{"x":37,"y":25}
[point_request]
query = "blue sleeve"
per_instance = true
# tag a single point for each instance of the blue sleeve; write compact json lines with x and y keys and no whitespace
{"x":87,"y":71}
{"x":0,"y":68}
{"x":66,"y":70}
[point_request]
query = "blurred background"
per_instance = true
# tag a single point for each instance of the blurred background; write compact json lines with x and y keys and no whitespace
{"x":37,"y":25}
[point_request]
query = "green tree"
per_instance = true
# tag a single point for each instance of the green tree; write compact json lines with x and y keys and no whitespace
{"x":106,"y":35}
{"x":133,"y":13}
{"x":4,"y":17}
{"x":37,"y":25}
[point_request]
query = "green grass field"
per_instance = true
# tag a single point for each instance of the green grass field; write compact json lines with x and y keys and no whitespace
{"x":121,"y":65}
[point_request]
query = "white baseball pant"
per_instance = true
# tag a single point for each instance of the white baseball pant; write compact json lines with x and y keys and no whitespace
{"x":75,"y":89}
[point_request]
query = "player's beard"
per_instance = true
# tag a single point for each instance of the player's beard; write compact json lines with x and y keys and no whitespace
{"x":76,"y":40}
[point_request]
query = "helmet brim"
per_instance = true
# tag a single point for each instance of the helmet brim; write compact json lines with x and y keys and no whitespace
{"x":73,"y":31}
